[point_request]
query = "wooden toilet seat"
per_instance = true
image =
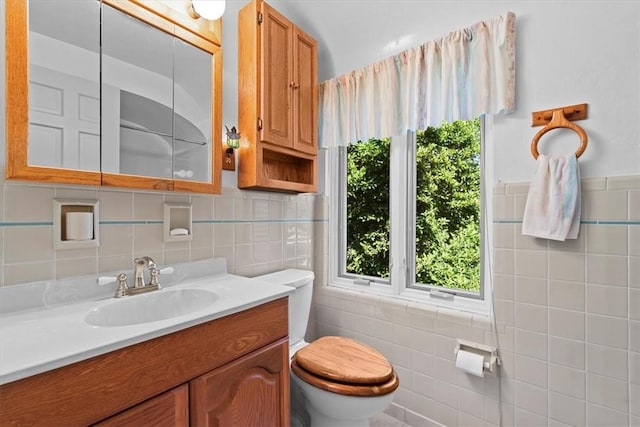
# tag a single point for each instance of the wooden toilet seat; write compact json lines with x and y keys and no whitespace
{"x":345,"y":366}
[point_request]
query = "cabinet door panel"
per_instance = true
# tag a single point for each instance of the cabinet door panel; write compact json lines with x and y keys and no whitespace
{"x":251,"y":391}
{"x":305,"y":93}
{"x":277,"y":77}
{"x":166,"y":410}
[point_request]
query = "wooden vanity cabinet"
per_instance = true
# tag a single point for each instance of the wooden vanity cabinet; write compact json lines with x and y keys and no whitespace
{"x":221,"y":397}
{"x":226,"y":372}
{"x":277,"y":102}
{"x":170,"y":409}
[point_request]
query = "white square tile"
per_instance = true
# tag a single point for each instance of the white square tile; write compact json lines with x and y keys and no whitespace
{"x":28,"y":244}
{"x":607,"y":269}
{"x":531,"y":317}
{"x":503,"y":286}
{"x":470,"y":402}
{"x":531,"y":344}
{"x":531,"y":290}
{"x":607,"y":361}
{"x":28,"y":203}
{"x":634,"y":334}
{"x":567,"y":352}
{"x":531,"y":263}
{"x":148,"y":207}
{"x":567,"y":266}
{"x":567,"y":324}
{"x":634,"y":272}
{"x":531,"y":398}
{"x":503,"y":236}
{"x":26,"y":272}
{"x":567,"y":295}
{"x":115,"y":206}
{"x":607,"y":331}
{"x":634,"y":240}
{"x":607,"y":300}
{"x":504,"y":261}
{"x":608,"y":392}
{"x":604,"y":417}
{"x":422,"y":385}
{"x":606,"y":239}
{"x":604,"y":205}
{"x":634,"y":367}
{"x":634,"y":205}
{"x":565,"y":380}
{"x":531,"y":371}
{"x":567,"y":409}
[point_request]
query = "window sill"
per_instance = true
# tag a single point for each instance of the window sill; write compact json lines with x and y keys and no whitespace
{"x":462,"y":310}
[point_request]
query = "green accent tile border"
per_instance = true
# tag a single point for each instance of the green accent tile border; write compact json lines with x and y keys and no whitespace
{"x":144,"y":222}
{"x":589,"y":222}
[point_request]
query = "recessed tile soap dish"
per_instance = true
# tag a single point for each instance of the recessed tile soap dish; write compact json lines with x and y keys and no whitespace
{"x":178,"y":224}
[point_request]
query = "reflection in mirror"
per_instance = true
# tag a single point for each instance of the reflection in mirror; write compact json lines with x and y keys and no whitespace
{"x":156,"y":114}
{"x":192,"y":144}
{"x":64,"y":84}
{"x":137,"y":97}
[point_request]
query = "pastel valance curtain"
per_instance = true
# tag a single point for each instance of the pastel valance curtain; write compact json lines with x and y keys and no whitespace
{"x":464,"y":75}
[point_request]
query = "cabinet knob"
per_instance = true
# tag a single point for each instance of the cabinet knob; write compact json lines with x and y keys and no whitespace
{"x":293,"y":85}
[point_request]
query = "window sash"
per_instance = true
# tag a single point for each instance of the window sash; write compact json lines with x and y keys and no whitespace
{"x":401,"y":283}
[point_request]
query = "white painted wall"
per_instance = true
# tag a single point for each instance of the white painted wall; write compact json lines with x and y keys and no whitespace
{"x":567,"y":52}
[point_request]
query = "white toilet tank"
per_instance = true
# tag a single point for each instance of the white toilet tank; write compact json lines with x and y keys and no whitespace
{"x":299,"y":300}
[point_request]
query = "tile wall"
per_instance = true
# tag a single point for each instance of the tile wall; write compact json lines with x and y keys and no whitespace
{"x":257,"y":232}
{"x":568,"y":322}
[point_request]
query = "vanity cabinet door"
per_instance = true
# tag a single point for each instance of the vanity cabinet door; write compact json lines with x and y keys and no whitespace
{"x":250,"y":391}
{"x":170,"y":409}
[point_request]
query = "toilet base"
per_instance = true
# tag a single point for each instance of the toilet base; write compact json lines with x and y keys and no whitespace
{"x":328,"y":409}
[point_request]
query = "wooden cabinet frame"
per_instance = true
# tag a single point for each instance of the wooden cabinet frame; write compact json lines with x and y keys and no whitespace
{"x":167,"y":15}
{"x":277,"y":107}
{"x":92,"y":390}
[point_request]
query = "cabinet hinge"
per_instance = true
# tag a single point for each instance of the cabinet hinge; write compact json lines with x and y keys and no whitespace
{"x":259,"y":123}
{"x":260,"y":18}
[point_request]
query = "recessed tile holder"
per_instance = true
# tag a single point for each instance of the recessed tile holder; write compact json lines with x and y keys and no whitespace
{"x":61,"y":237}
{"x":490,"y":354}
{"x":178,"y":225}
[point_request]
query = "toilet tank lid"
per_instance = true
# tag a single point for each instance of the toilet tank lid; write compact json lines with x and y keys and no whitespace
{"x":293,"y":277}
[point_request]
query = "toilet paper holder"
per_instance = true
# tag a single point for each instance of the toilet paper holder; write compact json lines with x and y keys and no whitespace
{"x":490,"y":354}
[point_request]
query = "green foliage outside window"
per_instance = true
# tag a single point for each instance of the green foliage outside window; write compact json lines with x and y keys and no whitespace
{"x":447,"y":206}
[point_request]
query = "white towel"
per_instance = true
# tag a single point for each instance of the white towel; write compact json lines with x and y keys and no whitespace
{"x":553,"y":203}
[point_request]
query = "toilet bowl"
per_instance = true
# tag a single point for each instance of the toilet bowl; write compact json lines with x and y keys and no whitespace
{"x":335,"y":381}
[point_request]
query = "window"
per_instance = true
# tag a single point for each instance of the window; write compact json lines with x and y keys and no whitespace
{"x":408,"y":216}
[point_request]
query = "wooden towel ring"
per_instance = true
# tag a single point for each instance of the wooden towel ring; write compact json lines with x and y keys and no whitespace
{"x":558,"y":120}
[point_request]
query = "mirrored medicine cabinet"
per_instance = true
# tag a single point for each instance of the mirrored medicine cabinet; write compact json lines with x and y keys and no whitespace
{"x":122,"y":93}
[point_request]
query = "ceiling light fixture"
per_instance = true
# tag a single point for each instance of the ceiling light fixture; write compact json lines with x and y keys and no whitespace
{"x":208,"y":9}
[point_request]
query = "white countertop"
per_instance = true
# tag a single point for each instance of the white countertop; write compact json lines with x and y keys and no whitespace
{"x":38,"y":339}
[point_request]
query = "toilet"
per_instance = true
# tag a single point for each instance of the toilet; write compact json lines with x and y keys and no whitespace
{"x":335,"y":381}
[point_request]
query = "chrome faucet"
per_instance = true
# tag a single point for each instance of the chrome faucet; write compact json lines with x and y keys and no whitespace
{"x":139,"y":287}
{"x":138,"y":278}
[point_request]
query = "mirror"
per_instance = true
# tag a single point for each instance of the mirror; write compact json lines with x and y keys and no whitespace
{"x":64,"y":84}
{"x":127,"y":95}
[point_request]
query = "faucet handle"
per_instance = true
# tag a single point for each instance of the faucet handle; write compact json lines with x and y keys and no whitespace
{"x":121,"y":291}
{"x":105,"y":280}
{"x":153,"y":276}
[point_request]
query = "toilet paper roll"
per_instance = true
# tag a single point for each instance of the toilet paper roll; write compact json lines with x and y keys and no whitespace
{"x":472,"y":363}
{"x":79,"y":226}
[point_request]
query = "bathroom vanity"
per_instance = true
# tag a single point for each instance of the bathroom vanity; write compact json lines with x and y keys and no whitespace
{"x":217,"y":366}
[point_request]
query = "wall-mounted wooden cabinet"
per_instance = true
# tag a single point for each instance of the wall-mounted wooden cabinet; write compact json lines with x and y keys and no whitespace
{"x":277,"y":102}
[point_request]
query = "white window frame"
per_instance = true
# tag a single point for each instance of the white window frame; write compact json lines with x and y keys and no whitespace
{"x":401,"y":271}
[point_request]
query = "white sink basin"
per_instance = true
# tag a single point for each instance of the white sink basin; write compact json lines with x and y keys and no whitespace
{"x":151,"y":307}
